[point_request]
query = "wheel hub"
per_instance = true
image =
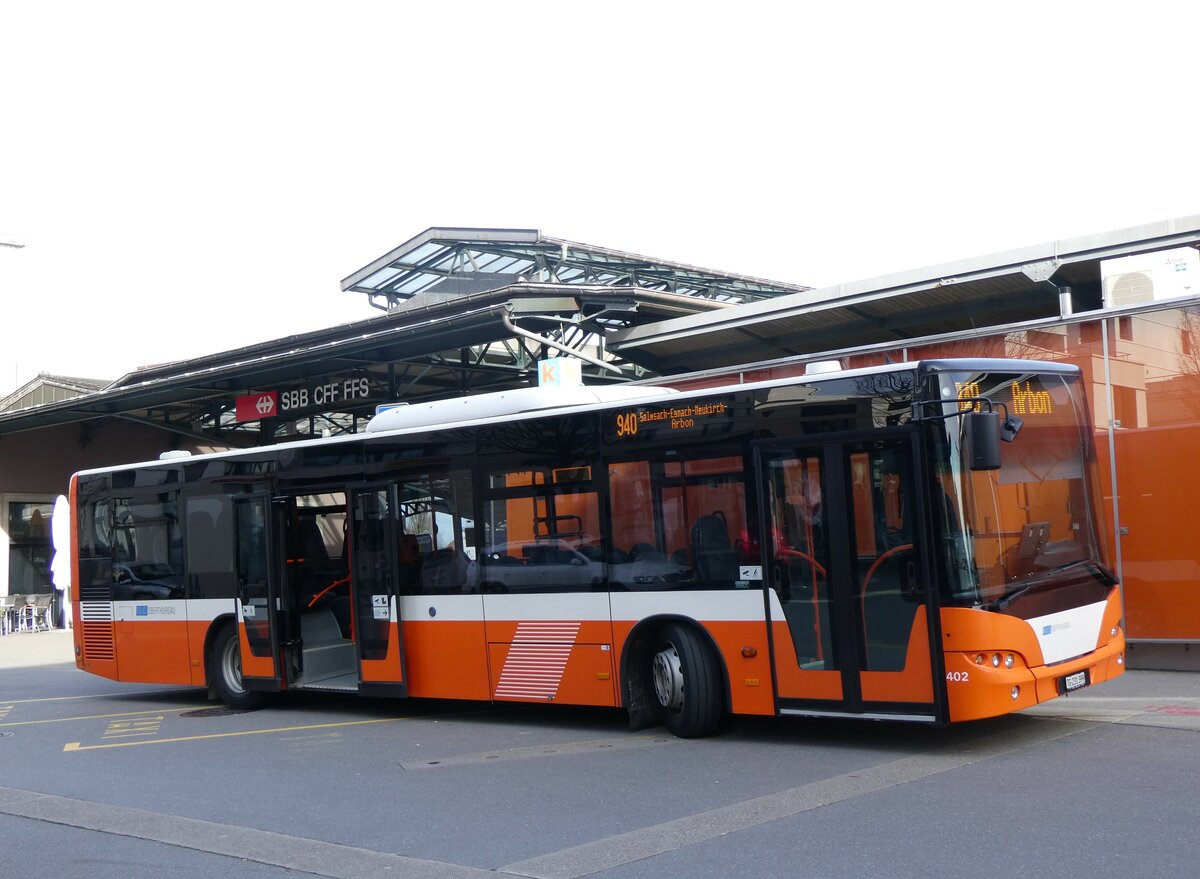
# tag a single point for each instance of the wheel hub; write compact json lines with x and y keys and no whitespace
{"x":231,"y":662}
{"x":668,"y":678}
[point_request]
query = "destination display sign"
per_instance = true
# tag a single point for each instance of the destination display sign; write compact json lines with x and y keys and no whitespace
{"x":1025,"y":397}
{"x":667,"y":419}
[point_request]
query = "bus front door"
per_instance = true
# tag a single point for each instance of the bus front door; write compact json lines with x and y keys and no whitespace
{"x":258,"y":576}
{"x":848,"y":585}
{"x":374,"y":590}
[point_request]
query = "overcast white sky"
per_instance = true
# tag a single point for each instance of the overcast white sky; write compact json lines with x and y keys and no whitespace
{"x":193,"y":177}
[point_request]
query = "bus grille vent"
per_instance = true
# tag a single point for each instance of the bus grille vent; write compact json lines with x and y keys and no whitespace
{"x":97,"y":630}
{"x":96,"y":592}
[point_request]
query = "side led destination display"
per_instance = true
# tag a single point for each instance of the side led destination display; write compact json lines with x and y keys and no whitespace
{"x":680,"y":418}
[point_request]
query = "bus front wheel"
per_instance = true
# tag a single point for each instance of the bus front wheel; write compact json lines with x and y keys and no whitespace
{"x":225,"y":671}
{"x":687,"y":682}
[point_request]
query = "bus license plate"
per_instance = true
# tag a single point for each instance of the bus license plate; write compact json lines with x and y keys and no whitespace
{"x":1076,"y":681}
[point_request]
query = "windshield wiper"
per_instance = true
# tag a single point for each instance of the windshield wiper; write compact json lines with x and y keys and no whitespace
{"x":1103,"y":573}
{"x":1012,"y":595}
{"x":1099,"y":571}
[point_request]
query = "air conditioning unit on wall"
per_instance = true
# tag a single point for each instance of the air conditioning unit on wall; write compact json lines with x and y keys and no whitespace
{"x":1150,"y":277}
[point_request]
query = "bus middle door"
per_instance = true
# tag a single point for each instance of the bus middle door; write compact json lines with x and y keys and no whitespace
{"x":374,"y":590}
{"x":258,"y":536}
{"x":847,"y":585}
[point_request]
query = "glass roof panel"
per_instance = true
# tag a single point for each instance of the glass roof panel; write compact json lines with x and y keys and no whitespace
{"x":380,"y":277}
{"x":423,"y":252}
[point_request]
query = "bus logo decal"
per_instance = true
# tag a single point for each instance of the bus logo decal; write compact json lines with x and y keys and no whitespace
{"x":536,"y":660}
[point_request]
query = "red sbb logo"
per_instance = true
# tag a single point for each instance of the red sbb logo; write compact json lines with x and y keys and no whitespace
{"x":255,"y":407}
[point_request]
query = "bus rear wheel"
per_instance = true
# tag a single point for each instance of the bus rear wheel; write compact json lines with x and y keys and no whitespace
{"x":687,"y":682}
{"x":225,"y":671}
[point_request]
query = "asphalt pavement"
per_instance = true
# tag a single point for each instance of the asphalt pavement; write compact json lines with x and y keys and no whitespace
{"x":121,"y":780}
{"x":26,"y":649}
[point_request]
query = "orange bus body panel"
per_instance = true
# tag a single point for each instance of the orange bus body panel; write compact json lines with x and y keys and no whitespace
{"x":197,"y":637}
{"x":446,"y":659}
{"x":253,"y":666}
{"x":154,"y":652}
{"x":388,"y":669}
{"x":801,"y":683}
{"x":975,"y":691}
{"x":575,"y":674}
{"x":915,"y":682}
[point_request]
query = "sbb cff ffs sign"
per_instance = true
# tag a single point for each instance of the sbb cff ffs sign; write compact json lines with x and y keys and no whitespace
{"x":325,"y":395}
{"x":312,"y":398}
{"x":255,"y":407}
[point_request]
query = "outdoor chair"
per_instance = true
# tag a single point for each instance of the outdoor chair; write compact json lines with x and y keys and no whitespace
{"x":8,"y":613}
{"x":43,"y":606}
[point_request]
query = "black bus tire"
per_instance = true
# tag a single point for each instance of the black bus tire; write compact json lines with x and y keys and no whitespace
{"x":687,"y":682}
{"x":225,"y":671}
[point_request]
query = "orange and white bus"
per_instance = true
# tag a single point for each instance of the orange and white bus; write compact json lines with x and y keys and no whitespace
{"x":854,"y":543}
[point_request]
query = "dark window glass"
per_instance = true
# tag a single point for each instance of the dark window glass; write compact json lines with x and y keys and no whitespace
{"x":543,"y":530}
{"x":373,"y":530}
{"x":250,"y":517}
{"x":147,"y":558}
{"x":210,"y":563}
{"x":856,"y":403}
{"x":29,"y":551}
{"x":679,"y":524}
{"x":437,"y":554}
{"x":95,"y":524}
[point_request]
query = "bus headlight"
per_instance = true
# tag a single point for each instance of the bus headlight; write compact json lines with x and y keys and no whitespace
{"x":980,"y":659}
{"x":1009,"y":661}
{"x":995,"y":660}
{"x":1016,"y":693}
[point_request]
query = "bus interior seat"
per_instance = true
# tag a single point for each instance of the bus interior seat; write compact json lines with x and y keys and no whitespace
{"x":642,"y":549}
{"x":712,"y":554}
{"x":312,"y":543}
{"x":443,"y":571}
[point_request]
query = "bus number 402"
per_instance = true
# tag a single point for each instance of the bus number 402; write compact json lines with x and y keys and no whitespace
{"x":958,"y":677}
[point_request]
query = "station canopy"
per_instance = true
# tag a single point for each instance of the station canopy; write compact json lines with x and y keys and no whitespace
{"x":473,"y":310}
{"x":464,"y":311}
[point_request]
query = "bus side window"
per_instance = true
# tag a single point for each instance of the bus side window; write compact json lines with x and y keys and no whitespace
{"x":679,"y":524}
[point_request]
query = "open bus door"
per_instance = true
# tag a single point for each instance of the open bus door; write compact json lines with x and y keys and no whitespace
{"x":260,"y":627}
{"x":374,"y":589}
{"x":847,"y":570}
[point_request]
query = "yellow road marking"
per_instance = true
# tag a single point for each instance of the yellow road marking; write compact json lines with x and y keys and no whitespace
{"x":101,"y":696}
{"x":76,"y":746}
{"x":85,"y":717}
{"x":142,"y":727}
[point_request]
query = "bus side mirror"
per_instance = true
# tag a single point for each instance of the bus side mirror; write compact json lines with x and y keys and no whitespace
{"x":982,"y":431}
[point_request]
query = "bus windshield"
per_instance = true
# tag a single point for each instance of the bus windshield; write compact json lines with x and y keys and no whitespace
{"x":1006,"y":531}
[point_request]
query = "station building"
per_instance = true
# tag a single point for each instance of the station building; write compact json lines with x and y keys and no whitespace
{"x":474,"y":310}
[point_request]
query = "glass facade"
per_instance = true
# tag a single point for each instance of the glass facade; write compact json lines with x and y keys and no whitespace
{"x":29,"y":549}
